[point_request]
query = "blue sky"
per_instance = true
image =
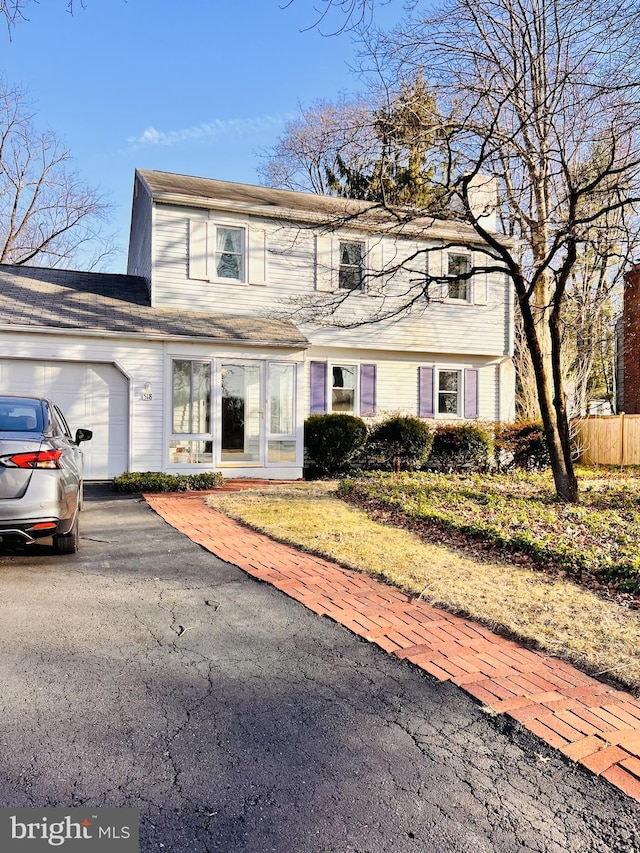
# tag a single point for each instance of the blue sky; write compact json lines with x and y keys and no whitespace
{"x":190,"y":86}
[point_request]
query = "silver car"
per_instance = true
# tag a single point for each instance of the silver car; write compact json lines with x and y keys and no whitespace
{"x":40,"y":473}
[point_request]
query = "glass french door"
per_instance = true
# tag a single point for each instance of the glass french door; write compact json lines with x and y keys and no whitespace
{"x":241,"y":413}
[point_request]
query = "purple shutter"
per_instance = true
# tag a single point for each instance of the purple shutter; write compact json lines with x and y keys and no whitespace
{"x":318,"y":388}
{"x":425,"y":392}
{"x":471,"y":393}
{"x":367,"y":390}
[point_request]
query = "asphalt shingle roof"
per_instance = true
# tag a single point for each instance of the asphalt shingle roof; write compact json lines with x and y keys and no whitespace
{"x":103,"y":302}
{"x":326,"y":211}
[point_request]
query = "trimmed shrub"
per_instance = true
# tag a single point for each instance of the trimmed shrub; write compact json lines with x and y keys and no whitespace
{"x":521,"y":445}
{"x":460,"y":447}
{"x":332,"y":441}
{"x":154,"y":481}
{"x":401,"y":441}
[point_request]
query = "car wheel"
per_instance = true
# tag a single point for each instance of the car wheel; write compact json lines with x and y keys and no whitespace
{"x":67,"y":543}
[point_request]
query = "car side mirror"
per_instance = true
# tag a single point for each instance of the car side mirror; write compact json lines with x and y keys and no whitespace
{"x":83,"y":435}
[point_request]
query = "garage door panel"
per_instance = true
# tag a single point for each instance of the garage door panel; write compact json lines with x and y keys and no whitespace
{"x":91,"y":395}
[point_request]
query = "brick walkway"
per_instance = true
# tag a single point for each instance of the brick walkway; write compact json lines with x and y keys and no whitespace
{"x":589,"y":722}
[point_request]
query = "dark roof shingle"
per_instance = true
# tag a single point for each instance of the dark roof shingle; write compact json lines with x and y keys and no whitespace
{"x":103,"y":302}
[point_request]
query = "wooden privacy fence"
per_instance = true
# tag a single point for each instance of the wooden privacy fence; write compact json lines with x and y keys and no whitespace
{"x":608,"y":439}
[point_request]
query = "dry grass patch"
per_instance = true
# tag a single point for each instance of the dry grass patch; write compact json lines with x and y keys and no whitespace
{"x":554,"y":615}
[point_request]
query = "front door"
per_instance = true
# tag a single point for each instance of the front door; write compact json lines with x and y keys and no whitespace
{"x":241,"y":413}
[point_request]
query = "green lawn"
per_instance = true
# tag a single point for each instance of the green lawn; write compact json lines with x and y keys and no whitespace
{"x":596,"y":541}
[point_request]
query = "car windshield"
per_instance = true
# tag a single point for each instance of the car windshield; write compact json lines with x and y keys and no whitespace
{"x":18,"y":415}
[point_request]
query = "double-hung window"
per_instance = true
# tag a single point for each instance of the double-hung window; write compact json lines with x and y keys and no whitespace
{"x":218,"y":252}
{"x":343,"y":388}
{"x":458,"y":270}
{"x":447,"y":392}
{"x":228,"y":259}
{"x":449,"y":388}
{"x":351,"y":266}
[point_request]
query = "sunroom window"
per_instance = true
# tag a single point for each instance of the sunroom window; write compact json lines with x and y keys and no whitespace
{"x":191,"y":412}
{"x":281,"y":445}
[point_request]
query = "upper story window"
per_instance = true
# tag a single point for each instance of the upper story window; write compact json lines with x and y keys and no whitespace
{"x":459,"y":287}
{"x":229,"y":252}
{"x":351,"y":268}
{"x":226,"y":252}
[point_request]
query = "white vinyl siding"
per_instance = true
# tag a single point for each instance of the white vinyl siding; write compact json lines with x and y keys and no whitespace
{"x":140,"y":242}
{"x":298,"y":262}
{"x":397,"y":378}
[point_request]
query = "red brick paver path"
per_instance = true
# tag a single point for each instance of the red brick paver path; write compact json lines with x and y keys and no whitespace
{"x":589,"y":722}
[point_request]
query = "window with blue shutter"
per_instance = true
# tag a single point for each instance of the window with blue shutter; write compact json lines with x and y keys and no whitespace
{"x":471,"y":393}
{"x":318,"y":388}
{"x":367,"y":390}
{"x":425,"y":392}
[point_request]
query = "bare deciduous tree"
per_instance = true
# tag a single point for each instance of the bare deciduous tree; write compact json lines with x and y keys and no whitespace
{"x":382,"y":147}
{"x":541,"y":85}
{"x":355,"y":13}
{"x":543,"y":96}
{"x":14,"y":11}
{"x":313,"y":143}
{"x":47,"y":212}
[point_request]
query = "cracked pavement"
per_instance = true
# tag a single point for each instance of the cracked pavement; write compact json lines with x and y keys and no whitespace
{"x":144,"y":672}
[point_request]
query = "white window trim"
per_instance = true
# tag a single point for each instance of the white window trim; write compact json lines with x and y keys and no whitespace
{"x":459,"y":414}
{"x":327,"y":263}
{"x":356,"y":390}
{"x":217,"y":464}
{"x":452,"y":300}
{"x":169,"y":434}
{"x":202,"y":248}
{"x":364,"y":269}
{"x":212,"y":231}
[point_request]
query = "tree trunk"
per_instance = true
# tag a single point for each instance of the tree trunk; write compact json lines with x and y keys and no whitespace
{"x":551,"y":399}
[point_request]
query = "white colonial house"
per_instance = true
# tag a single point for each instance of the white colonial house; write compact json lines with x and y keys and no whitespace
{"x":211,"y":351}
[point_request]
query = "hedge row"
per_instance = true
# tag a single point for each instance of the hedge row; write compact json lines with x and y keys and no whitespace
{"x":338,"y":443}
{"x":153,"y":481}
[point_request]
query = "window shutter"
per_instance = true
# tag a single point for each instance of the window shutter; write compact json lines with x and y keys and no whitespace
{"x":257,"y":255}
{"x":471,"y":393}
{"x":367,"y":390}
{"x":198,"y":249}
{"x":318,"y":388}
{"x":324,"y":265}
{"x":374,"y":281}
{"x":425,"y":392}
{"x":438,"y":268}
{"x":480,"y":279}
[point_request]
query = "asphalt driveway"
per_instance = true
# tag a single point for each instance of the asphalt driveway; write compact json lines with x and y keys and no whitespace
{"x":144,"y":672}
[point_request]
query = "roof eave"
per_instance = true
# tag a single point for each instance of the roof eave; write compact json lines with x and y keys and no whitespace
{"x":155,"y":336}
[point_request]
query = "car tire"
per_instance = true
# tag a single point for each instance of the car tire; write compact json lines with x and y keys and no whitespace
{"x":67,"y":543}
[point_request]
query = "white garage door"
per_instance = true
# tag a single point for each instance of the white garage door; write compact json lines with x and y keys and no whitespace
{"x":91,"y":395}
